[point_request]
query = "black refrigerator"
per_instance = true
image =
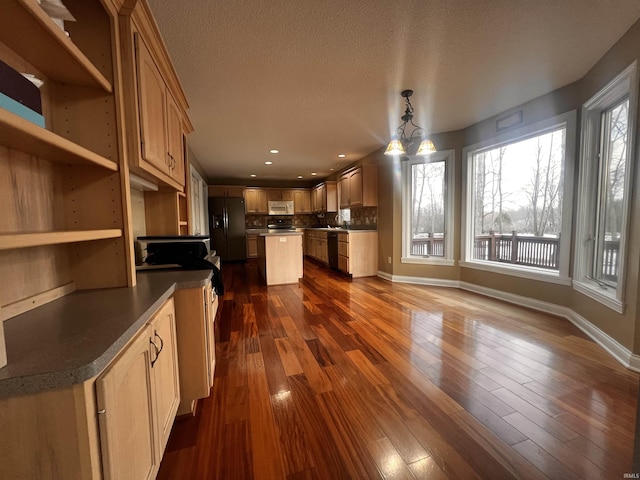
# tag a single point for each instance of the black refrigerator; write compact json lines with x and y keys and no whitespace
{"x":227,"y":228}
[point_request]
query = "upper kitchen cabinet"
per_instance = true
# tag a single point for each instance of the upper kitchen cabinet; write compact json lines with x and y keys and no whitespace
{"x":226,"y":191}
{"x":324,"y":197}
{"x":256,"y":200}
{"x":63,"y":224}
{"x":156,"y":104}
{"x":359,"y":187}
{"x":302,"y":201}
{"x":277,"y":194}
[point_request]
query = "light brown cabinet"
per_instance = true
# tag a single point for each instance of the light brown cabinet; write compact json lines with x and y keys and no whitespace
{"x":137,"y":400}
{"x":252,"y":245}
{"x":358,"y":253}
{"x":302,"y":201}
{"x":160,"y":119}
{"x":324,"y":197}
{"x":256,"y":201}
{"x":316,"y":245}
{"x":277,"y":194}
{"x":195,"y":325}
{"x":63,"y":205}
{"x":166,"y":213}
{"x":226,"y":191}
{"x":359,"y":187}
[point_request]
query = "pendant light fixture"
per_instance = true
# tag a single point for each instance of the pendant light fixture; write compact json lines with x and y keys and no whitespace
{"x":400,"y":144}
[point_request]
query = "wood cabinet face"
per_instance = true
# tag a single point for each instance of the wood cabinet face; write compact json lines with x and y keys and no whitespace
{"x":343,"y":185}
{"x":139,"y":395}
{"x":252,"y":246}
{"x":165,"y":372}
{"x":124,"y":394}
{"x":152,"y":104}
{"x":175,"y":150}
{"x":256,"y":200}
{"x":355,"y":188}
{"x":302,"y":201}
{"x":225,"y":191}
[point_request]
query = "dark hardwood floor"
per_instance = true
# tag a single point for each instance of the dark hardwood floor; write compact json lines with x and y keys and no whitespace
{"x":334,"y":378}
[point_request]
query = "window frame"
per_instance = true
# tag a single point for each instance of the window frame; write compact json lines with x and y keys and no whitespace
{"x":448,"y":157}
{"x":561,"y":276}
{"x":623,"y":85}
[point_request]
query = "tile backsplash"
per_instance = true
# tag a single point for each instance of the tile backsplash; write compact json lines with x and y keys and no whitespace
{"x":365,"y":216}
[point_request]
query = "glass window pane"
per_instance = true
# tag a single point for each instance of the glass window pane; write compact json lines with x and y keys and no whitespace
{"x":428,"y":209}
{"x":613,"y":167}
{"x":517,"y":201}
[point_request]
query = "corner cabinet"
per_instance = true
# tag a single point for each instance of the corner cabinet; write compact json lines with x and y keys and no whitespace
{"x":137,"y":398}
{"x":113,"y":426}
{"x":358,"y":187}
{"x":324,"y":197}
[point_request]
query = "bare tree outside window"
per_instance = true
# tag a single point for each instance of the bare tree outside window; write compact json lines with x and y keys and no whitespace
{"x":518,"y":201}
{"x":612,"y":172}
{"x":428,"y":208}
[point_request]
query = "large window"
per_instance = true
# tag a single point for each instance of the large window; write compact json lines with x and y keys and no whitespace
{"x":516,"y":213}
{"x":428,"y":208}
{"x":605,"y":162}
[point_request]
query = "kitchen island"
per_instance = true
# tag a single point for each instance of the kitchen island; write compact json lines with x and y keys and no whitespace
{"x":280,"y":257}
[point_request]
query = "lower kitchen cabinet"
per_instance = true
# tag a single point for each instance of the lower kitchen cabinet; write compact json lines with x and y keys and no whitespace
{"x":358,"y":253}
{"x":137,"y":398}
{"x":195,"y":325}
{"x":113,"y":426}
{"x":316,"y":245}
{"x":252,"y":245}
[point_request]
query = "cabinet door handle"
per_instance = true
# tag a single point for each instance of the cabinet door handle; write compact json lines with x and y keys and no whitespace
{"x":157,"y":351}
{"x":155,"y":334}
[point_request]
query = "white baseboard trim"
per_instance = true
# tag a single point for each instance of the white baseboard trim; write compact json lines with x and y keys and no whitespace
{"x":432,"y":282}
{"x":609,"y":344}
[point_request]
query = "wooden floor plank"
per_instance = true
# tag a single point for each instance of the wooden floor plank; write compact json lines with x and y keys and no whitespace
{"x":334,"y":378}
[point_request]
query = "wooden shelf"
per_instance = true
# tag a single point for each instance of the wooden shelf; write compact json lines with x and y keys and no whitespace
{"x":10,"y":241}
{"x":28,"y":31}
{"x":20,"y":134}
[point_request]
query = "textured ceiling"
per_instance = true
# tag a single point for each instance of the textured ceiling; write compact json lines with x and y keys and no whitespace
{"x":315,"y":78}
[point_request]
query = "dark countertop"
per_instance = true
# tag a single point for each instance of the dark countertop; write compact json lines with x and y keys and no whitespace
{"x":74,"y":338}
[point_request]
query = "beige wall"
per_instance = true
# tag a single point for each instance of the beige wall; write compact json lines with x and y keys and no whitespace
{"x":571,"y":97}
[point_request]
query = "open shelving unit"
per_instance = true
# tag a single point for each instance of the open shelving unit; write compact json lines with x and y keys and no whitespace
{"x":64,"y":218}
{"x":20,"y":134}
{"x":10,"y":241}
{"x":29,"y":32}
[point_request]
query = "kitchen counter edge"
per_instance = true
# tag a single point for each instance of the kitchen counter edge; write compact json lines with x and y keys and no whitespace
{"x":80,"y":334}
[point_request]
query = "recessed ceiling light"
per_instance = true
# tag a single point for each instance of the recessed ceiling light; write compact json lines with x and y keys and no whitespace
{"x":313,"y":173}
{"x":341,"y":155}
{"x":331,"y":169}
{"x":274,"y":151}
{"x":299,"y":176}
{"x":252,"y":175}
{"x":268,"y":163}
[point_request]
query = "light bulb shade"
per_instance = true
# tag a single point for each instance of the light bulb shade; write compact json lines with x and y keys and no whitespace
{"x":426,"y":148}
{"x":395,"y":148}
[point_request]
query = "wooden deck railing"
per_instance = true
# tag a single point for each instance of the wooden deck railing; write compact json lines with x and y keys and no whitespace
{"x":542,"y":252}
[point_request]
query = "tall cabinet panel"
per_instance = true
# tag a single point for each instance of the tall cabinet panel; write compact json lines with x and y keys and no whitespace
{"x":152,"y":104}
